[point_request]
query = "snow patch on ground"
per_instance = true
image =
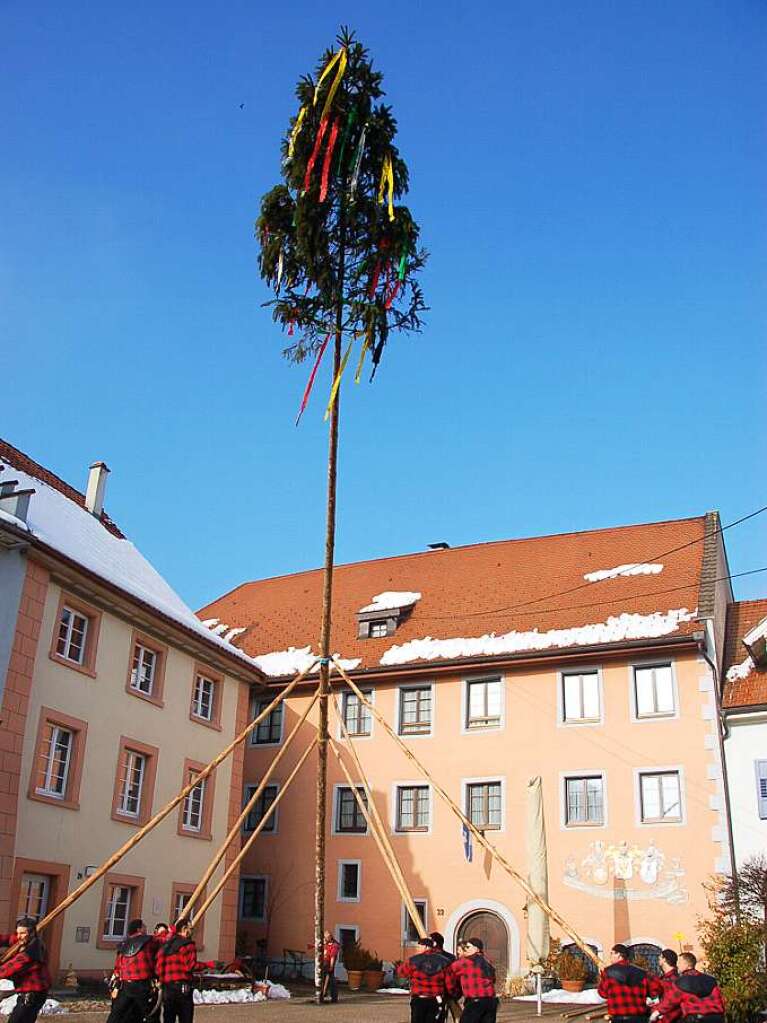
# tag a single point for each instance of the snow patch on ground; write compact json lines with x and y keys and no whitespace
{"x":616,"y":629}
{"x":296,"y":659}
{"x":620,"y":570}
{"x":390,"y":600}
{"x":7,"y":1005}
{"x":558,"y":994}
{"x":392,"y":991}
{"x":241,"y":995}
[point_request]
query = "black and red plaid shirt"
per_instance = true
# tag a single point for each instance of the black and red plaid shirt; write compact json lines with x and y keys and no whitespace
{"x":177,"y":961}
{"x":140,"y":965}
{"x":472,"y":976}
{"x":698,"y":995}
{"x":330,"y":950}
{"x":668,"y":980}
{"x":426,"y":973}
{"x":26,"y":968}
{"x":627,"y":988}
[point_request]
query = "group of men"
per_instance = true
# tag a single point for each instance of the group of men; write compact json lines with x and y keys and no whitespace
{"x":439,"y":979}
{"x":148,"y":968}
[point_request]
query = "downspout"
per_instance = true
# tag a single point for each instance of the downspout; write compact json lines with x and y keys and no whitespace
{"x":722,"y":733}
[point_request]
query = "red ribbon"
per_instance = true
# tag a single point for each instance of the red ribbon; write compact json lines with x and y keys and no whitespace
{"x":312,"y":375}
{"x":315,"y":153}
{"x":328,"y":158}
{"x":374,"y":282}
{"x":392,"y":294}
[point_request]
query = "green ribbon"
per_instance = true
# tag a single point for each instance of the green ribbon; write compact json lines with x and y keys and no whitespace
{"x":344,"y":138}
{"x":402,"y":262}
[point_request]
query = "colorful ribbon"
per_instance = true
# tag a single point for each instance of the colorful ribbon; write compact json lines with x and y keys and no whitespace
{"x":358,"y":161}
{"x":392,"y":294}
{"x":374,"y":282}
{"x":345,"y":138}
{"x":339,"y":58}
{"x":312,"y":375}
{"x":337,"y":381}
{"x":365,"y":347}
{"x":327,"y":161}
{"x":279,"y":269}
{"x":387,"y":182}
{"x":315,"y":153}
{"x":402,"y":263}
{"x":296,"y":131}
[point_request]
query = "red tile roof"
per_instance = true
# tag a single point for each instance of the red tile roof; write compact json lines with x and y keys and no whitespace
{"x":17,"y":459}
{"x":521,"y":585}
{"x":742,"y":617}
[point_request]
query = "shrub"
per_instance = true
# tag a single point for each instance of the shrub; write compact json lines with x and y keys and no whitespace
{"x":355,"y":956}
{"x":570,"y":967}
{"x":733,"y":951}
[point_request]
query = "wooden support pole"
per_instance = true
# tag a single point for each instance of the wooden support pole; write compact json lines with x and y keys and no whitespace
{"x":161,"y":814}
{"x":251,"y":838}
{"x":235,"y":829}
{"x":389,"y":849}
{"x":378,"y":833}
{"x":581,"y":1012}
{"x":480,"y":838}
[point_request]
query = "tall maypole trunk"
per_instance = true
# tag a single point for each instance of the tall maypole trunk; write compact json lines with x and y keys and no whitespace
{"x":327,"y":601}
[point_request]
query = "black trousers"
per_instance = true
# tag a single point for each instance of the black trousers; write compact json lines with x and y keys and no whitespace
{"x":177,"y":1003}
{"x":330,"y":985}
{"x":133,"y":1002}
{"x":27,"y":1007}
{"x":424,"y":1010}
{"x":479,"y":1010}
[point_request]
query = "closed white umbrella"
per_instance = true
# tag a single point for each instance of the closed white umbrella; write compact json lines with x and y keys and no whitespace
{"x":538,"y":877}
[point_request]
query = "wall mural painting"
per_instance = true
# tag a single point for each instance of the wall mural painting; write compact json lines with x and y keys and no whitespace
{"x":624,"y":871}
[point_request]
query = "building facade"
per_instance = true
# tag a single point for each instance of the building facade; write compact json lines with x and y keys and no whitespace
{"x":113,"y":696}
{"x":589,"y":659}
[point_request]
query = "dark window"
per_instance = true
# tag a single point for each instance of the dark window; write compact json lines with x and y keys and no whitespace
{"x":253,"y":898}
{"x":349,"y":817}
{"x":260,"y":808}
{"x":357,"y":717}
{"x":378,"y":628}
{"x":411,"y":934}
{"x":350,"y":880}
{"x":415,"y":711}
{"x":269,"y":730}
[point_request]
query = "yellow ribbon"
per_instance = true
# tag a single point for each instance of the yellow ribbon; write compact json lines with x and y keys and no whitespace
{"x":296,"y":131}
{"x":339,"y":58}
{"x":365,"y":347}
{"x":387,"y":179}
{"x":337,"y":381}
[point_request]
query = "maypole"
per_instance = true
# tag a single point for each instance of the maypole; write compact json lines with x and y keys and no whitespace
{"x":342,"y":260}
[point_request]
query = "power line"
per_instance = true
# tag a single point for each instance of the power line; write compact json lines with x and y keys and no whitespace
{"x":582,"y":586}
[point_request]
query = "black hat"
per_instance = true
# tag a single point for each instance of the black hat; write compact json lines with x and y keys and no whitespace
{"x":478,"y":943}
{"x":426,"y":942}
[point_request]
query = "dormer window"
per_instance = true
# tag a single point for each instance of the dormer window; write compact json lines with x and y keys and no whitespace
{"x":387,"y":610}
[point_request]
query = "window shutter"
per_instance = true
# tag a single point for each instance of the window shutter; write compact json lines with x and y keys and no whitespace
{"x":761,"y":787}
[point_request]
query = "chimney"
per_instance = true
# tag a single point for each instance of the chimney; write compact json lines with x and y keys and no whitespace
{"x":97,"y":482}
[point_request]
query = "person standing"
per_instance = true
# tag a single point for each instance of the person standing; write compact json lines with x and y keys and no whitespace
{"x":133,"y":975}
{"x":474,"y":977}
{"x":449,"y":1005}
{"x":27,"y":969}
{"x":330,"y":951}
{"x":176,"y":966}
{"x":626,"y":988}
{"x":669,"y":974}
{"x":426,"y":973}
{"x":694,"y":994}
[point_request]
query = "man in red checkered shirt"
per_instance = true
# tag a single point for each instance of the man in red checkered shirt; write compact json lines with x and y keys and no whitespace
{"x":473,"y":977}
{"x":27,"y":969}
{"x":133,"y":975}
{"x":176,"y":966}
{"x":668,"y":977}
{"x":426,"y":973}
{"x":696,"y":995}
{"x":626,"y":988}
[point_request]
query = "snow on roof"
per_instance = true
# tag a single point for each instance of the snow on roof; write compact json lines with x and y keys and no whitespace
{"x":57,"y":521}
{"x":616,"y":629}
{"x":390,"y":600}
{"x":292,"y":660}
{"x":758,"y":632}
{"x":740,"y":671}
{"x":622,"y":570}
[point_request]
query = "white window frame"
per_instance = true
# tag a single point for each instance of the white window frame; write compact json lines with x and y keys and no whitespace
{"x":562,"y":719}
{"x":486,"y":780}
{"x":566,"y":776}
{"x":661,"y":769}
{"x":241,"y":897}
{"x":394,"y":821}
{"x":274,"y":820}
{"x":370,"y":695}
{"x":45,"y":897}
{"x":187,"y":807}
{"x":45,"y":789}
{"x":197,"y":701}
{"x":69,"y":627}
{"x":340,"y":893}
{"x":655,"y":662}
{"x":131,"y":756}
{"x":760,"y":769}
{"x":252,"y":737}
{"x":108,"y":933}
{"x":180,"y":900}
{"x":378,"y":622}
{"x":466,"y":729}
{"x":334,"y":829}
{"x":337,"y":932}
{"x":405,"y":921}
{"x":142,"y":649}
{"x":398,"y":711}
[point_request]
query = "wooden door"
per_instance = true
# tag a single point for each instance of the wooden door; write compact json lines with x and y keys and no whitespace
{"x":492,"y":931}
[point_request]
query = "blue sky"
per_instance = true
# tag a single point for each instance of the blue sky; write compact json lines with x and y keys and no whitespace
{"x":589,"y":179}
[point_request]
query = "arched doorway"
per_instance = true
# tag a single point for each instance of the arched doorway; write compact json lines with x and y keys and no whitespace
{"x":491,"y":929}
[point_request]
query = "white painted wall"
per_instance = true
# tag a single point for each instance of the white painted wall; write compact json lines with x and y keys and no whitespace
{"x":747,"y":743}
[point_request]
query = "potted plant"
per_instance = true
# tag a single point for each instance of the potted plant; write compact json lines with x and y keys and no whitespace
{"x":356,"y":959}
{"x":374,"y":973}
{"x":571,"y":971}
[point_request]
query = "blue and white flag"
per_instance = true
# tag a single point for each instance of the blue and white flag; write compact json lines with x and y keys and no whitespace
{"x":468,"y":848}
